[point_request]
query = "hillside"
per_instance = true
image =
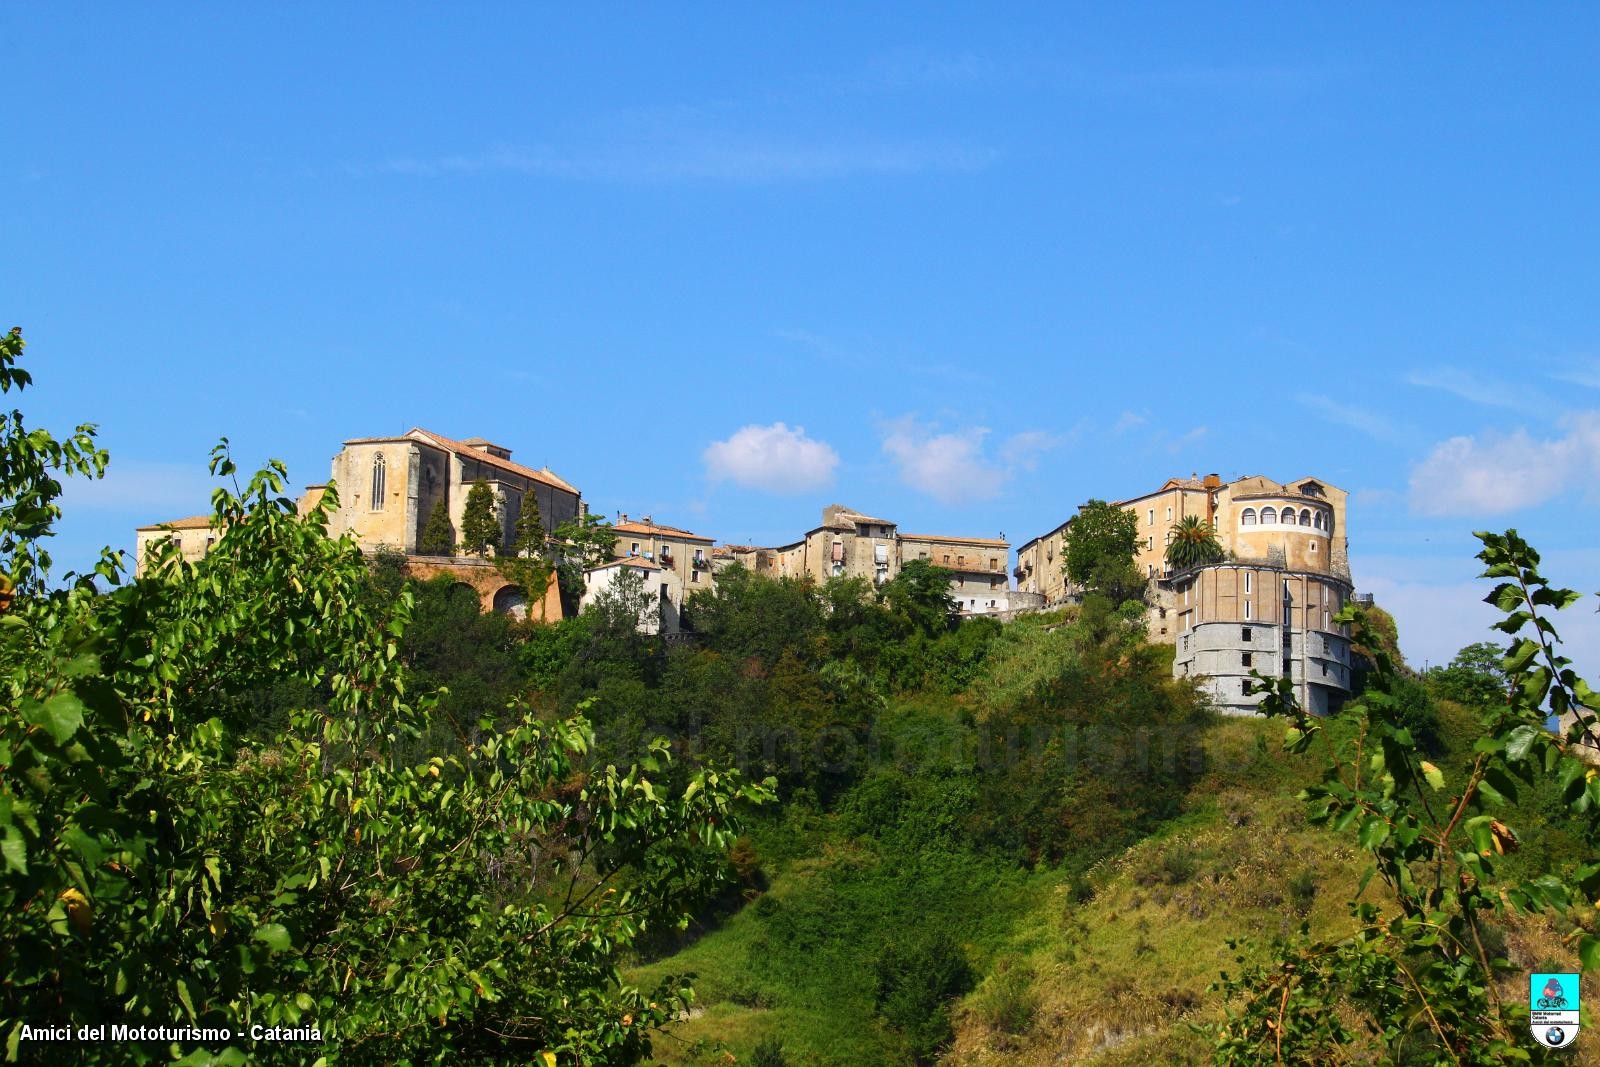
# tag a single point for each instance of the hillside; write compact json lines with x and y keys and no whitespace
{"x":1110,"y":966}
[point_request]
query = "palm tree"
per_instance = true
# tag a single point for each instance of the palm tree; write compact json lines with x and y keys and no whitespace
{"x":1193,"y":543}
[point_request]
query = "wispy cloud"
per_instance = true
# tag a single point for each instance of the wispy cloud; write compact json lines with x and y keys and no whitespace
{"x":699,"y":158}
{"x":158,"y":491}
{"x":1497,"y":473}
{"x":1362,"y":420}
{"x":775,"y":458}
{"x":1188,"y":440}
{"x":1129,"y":420}
{"x":955,"y":466}
{"x":1584,"y":371}
{"x":1476,"y":389}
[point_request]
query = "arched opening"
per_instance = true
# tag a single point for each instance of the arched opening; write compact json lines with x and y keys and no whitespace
{"x":1247,"y":517}
{"x":1305,"y":517}
{"x":379,"y":480}
{"x":1269,"y":516}
{"x":1317,"y":520}
{"x":511,"y":600}
{"x":462,"y":593}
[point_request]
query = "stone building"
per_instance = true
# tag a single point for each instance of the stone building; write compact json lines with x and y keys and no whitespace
{"x":1268,"y":606}
{"x":686,"y":554}
{"x":661,"y":586}
{"x":388,"y":487}
{"x":853,"y":544}
{"x":194,"y":537}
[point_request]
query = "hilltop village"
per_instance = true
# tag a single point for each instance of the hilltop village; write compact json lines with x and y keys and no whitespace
{"x":1266,"y":604}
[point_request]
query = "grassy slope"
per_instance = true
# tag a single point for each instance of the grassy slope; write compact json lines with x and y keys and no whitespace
{"x":1115,"y":978}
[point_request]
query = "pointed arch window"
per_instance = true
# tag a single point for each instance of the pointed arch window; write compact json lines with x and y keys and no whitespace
{"x":379,"y":478}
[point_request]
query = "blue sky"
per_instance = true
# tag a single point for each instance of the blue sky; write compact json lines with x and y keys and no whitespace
{"x":962,"y":266}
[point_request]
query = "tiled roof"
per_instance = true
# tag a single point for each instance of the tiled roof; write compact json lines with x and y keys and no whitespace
{"x":656,"y":528}
{"x":193,"y":522}
{"x":461,"y":448}
{"x":631,"y":561}
{"x":995,"y":541}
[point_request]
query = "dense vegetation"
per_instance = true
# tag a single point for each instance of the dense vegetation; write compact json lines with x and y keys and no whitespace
{"x":288,"y":785}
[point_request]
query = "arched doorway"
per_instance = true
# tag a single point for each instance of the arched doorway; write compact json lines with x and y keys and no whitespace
{"x":511,"y":600}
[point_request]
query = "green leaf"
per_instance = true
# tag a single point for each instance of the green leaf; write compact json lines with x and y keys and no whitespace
{"x":1522,"y":739}
{"x":1589,"y":952}
{"x":274,"y":935}
{"x":15,"y":850}
{"x":61,"y":716}
{"x":1433,"y":774}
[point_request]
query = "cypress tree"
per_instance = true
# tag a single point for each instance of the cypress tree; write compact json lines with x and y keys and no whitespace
{"x":479,"y":526}
{"x":530,"y":527}
{"x":438,"y":537}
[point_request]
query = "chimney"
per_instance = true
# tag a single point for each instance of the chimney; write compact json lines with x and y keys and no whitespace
{"x":1213,"y":482}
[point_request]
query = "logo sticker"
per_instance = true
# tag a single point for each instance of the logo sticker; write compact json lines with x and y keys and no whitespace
{"x":1553,"y":1009}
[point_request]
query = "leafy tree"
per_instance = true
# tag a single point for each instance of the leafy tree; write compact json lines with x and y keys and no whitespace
{"x":1474,"y":677}
{"x":749,"y":615}
{"x":1098,"y":556}
{"x":1194,"y":544}
{"x":919,"y":596}
{"x":915,"y":985}
{"x":159,"y":865}
{"x":586,"y":540}
{"x":1415,"y":982}
{"x":480,"y":526}
{"x":438,"y":536}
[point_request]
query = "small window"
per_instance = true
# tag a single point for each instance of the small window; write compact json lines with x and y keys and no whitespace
{"x":634,"y":551}
{"x":1244,"y":633}
{"x":1151,"y":567}
{"x":1247,"y":576}
{"x":1244,"y":659}
{"x":994,"y":563}
{"x":1169,"y":514}
{"x":947,"y":557}
{"x":1248,"y":517}
{"x":1324,"y":670}
{"x":1269,"y":516}
{"x":1313,"y":547}
{"x":694,"y":576}
{"x":1151,"y":520}
{"x":1244,"y":687}
{"x":1247,"y":613}
{"x":1150,"y":542}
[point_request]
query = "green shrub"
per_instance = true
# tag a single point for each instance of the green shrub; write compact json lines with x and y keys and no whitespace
{"x":1007,"y":1000}
{"x":769,"y":1053}
{"x":915,"y":984}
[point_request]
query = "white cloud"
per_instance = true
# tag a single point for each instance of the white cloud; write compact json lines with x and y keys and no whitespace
{"x":1438,"y":616}
{"x":950,"y":467}
{"x":1504,"y":472}
{"x":1474,"y":389}
{"x":955,"y":467}
{"x":775,"y":458}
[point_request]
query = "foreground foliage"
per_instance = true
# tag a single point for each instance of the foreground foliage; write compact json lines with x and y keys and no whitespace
{"x":169,"y":859}
{"x":1416,"y":981}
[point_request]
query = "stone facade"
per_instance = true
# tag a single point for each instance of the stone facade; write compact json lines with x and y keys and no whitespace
{"x":851,"y":544}
{"x":660,"y":583}
{"x":388,"y":487}
{"x":1286,"y":573}
{"x":194,"y":537}
{"x":686,"y":554}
